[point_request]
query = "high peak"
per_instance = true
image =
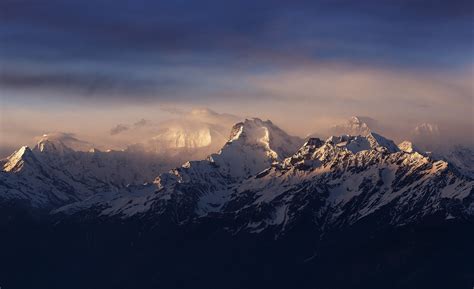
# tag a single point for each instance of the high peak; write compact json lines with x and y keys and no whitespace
{"x":378,"y":140}
{"x":250,"y":127}
{"x":254,"y":145}
{"x":316,"y":150}
{"x":314,"y":141}
{"x":21,"y":152}
{"x":16,"y":160}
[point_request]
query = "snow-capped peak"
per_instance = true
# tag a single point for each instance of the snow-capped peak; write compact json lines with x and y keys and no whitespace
{"x":264,"y":134}
{"x":47,"y":145}
{"x":254,"y":132}
{"x":250,"y":129}
{"x":16,"y":161}
{"x":253,"y":146}
{"x":378,"y":141}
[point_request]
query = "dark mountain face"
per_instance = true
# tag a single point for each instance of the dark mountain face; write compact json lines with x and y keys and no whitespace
{"x":347,"y":212}
{"x":133,"y":254}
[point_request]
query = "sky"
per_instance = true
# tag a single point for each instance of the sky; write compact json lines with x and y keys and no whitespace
{"x":87,"y":67}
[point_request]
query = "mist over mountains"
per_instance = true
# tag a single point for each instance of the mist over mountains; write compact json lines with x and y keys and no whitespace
{"x":203,"y":131}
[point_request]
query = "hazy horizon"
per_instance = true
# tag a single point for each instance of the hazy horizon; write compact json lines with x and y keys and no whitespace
{"x":124,"y":134}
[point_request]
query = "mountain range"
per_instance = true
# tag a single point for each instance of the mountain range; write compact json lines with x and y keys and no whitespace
{"x":270,"y":208}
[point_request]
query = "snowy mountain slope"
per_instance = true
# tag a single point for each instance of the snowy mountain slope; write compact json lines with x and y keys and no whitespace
{"x":114,"y":167}
{"x":429,"y":141}
{"x":199,"y":187}
{"x":342,"y":180}
{"x":461,"y":157}
{"x":335,"y":183}
{"x":53,"y":174}
{"x":458,"y":156}
{"x":26,"y":179}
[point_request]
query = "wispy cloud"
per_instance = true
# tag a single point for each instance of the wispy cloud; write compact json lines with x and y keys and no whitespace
{"x":119,"y":128}
{"x":141,"y":123}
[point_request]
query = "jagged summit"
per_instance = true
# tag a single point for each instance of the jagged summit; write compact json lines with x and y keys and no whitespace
{"x":359,"y":143}
{"x":409,"y":147}
{"x":315,"y":151}
{"x":376,"y":140}
{"x":247,"y":129}
{"x":314,"y":141}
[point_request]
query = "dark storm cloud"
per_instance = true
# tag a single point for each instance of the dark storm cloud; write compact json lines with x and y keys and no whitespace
{"x":107,"y":27}
{"x":249,"y":35}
